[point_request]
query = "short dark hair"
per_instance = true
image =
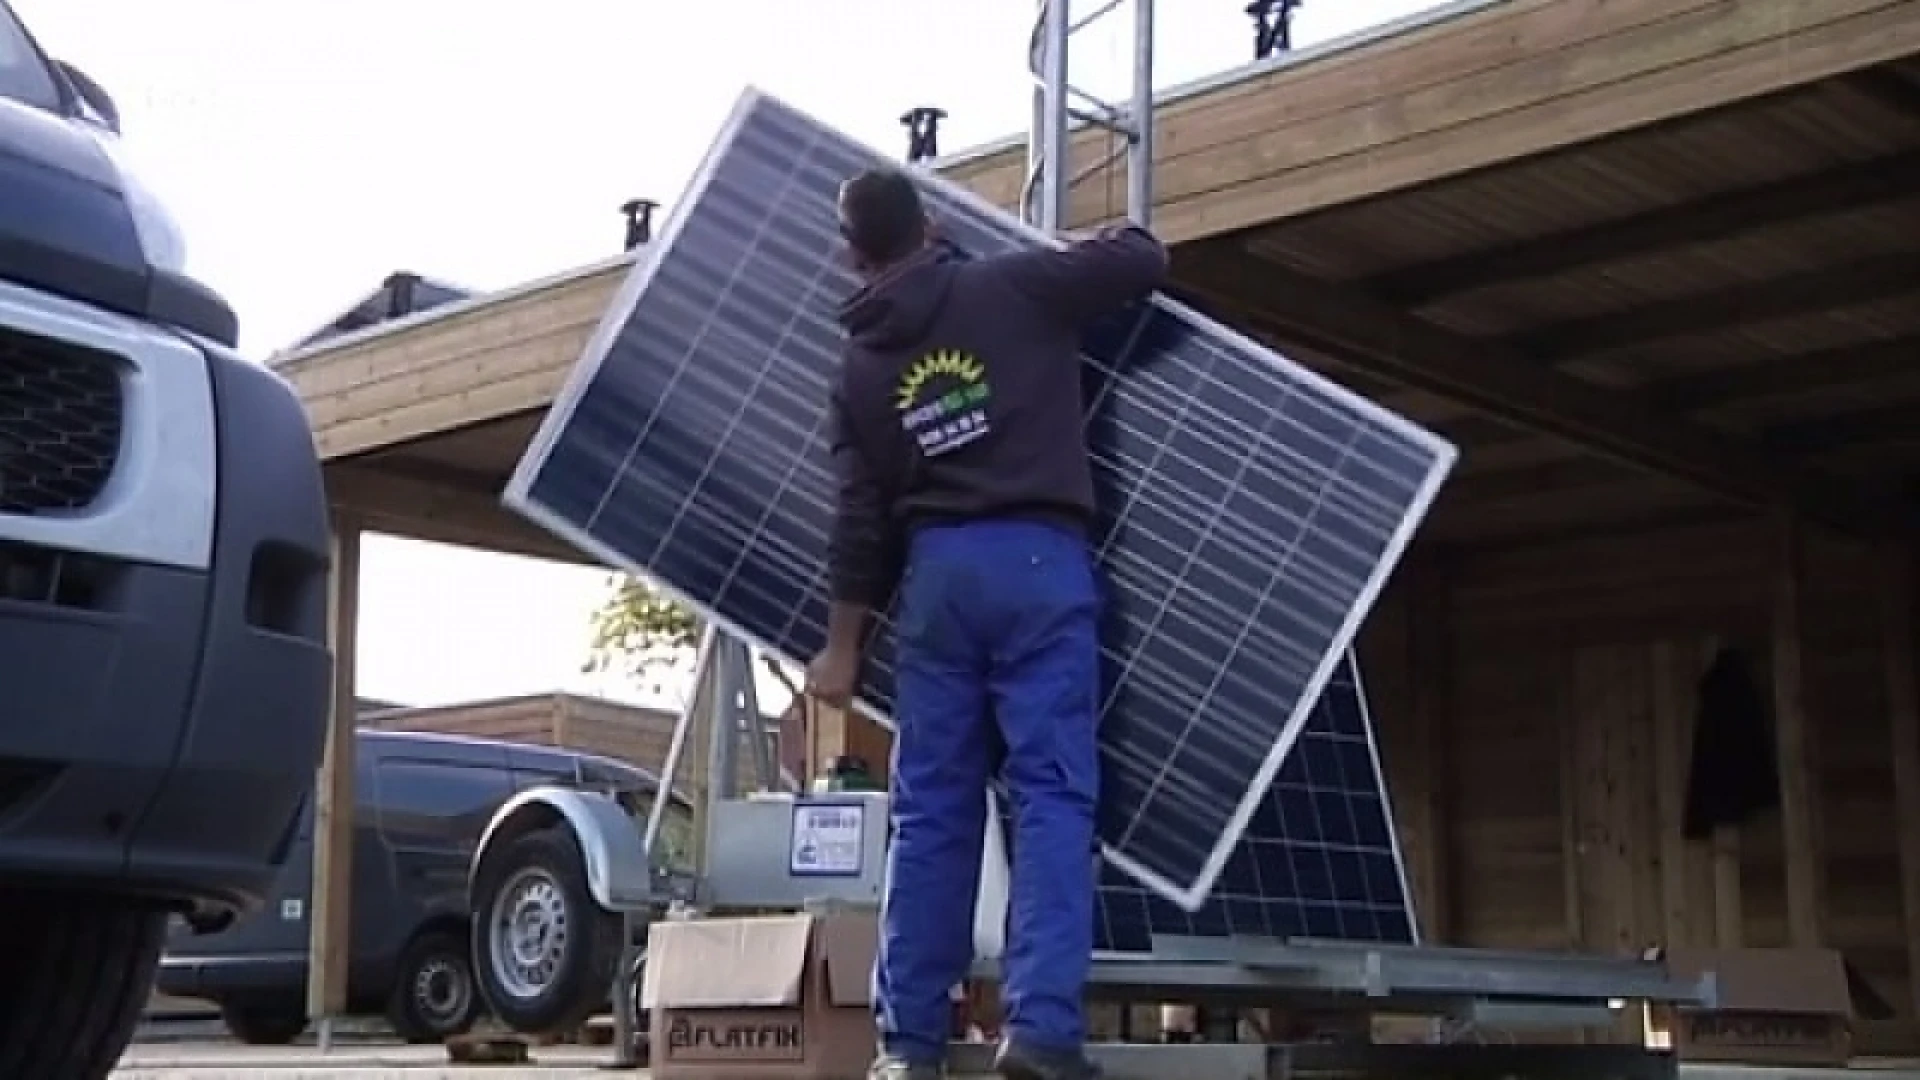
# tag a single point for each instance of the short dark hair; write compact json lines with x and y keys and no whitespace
{"x":881,"y":216}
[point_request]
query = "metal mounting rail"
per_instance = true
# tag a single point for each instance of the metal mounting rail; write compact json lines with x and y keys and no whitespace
{"x":1410,"y":978}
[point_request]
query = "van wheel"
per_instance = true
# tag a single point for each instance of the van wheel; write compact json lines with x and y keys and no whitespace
{"x":544,"y":952}
{"x":433,"y":996}
{"x":78,"y":969}
{"x":261,"y":1023}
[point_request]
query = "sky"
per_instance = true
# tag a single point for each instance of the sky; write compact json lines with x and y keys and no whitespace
{"x":311,"y":147}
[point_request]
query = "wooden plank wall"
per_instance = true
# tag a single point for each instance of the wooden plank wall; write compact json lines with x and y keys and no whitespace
{"x":639,"y":736}
{"x":1535,"y":709}
{"x":623,"y":732}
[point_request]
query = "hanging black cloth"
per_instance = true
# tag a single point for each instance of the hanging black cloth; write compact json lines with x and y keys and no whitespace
{"x":1733,"y":776}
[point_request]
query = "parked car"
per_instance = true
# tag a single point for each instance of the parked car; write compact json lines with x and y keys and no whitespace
{"x":424,"y":801}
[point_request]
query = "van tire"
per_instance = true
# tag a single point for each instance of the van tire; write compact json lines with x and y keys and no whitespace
{"x":434,"y":997}
{"x":79,"y":969}
{"x":545,"y":863}
{"x":263,"y":1023}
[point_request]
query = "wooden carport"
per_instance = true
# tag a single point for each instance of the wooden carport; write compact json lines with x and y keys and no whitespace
{"x":1655,"y":265}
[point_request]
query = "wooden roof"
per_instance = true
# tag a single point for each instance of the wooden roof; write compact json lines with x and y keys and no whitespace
{"x":1640,"y":257}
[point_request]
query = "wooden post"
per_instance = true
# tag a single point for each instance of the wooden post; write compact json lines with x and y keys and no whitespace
{"x":1673,"y":748}
{"x":1903,"y":713}
{"x":333,"y":796}
{"x":1799,"y":788}
{"x":1573,"y":846}
{"x":1429,"y":627}
{"x":833,"y":733}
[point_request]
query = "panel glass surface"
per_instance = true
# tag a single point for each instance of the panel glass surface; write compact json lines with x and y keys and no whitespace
{"x":1319,"y":858}
{"x":1250,"y":509}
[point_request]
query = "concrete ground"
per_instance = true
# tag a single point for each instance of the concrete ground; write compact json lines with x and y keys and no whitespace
{"x":212,"y":1060}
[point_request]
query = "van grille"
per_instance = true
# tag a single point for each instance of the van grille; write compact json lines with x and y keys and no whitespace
{"x":61,"y":412}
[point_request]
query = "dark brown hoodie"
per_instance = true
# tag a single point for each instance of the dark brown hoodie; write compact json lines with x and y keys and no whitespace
{"x":959,"y":397}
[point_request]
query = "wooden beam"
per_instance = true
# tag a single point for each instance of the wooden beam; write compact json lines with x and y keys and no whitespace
{"x":329,"y":951}
{"x":1876,"y":277}
{"x":1891,"y":424}
{"x":1785,"y":376}
{"x":1694,"y":222}
{"x":1554,"y":477}
{"x":1898,"y":648}
{"x":1511,"y":387}
{"x":1892,"y":87}
{"x":1799,"y":776}
{"x":386,"y":500}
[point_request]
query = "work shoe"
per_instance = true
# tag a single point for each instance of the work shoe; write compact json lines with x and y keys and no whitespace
{"x":1017,"y":1062}
{"x":888,"y":1067}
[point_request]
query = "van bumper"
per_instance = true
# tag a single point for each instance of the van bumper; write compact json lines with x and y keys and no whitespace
{"x":160,"y":724}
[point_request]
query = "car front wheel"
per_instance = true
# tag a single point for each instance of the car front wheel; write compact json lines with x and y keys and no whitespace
{"x":78,"y":970}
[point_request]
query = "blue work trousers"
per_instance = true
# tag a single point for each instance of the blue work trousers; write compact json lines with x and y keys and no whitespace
{"x":997,"y":667}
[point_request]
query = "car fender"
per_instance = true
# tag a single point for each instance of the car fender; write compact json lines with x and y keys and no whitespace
{"x":610,"y":843}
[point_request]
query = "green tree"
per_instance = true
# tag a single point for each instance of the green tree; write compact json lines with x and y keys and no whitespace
{"x":638,"y":628}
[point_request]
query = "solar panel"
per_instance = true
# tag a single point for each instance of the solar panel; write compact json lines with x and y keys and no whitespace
{"x":1320,"y":857}
{"x":1251,"y":510}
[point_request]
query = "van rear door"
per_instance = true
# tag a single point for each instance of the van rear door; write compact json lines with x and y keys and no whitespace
{"x":433,"y":808}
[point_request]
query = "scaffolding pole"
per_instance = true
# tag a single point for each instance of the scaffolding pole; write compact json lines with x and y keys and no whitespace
{"x":1058,"y":105}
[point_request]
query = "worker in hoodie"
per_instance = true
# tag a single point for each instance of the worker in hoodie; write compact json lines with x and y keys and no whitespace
{"x":958,"y":438}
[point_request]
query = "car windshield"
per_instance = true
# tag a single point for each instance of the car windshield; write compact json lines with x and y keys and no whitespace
{"x":24,"y":75}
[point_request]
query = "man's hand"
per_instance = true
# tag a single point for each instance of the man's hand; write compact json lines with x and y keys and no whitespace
{"x":831,"y":676}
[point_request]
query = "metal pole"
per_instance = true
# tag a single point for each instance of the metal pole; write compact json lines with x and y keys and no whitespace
{"x":677,"y":748}
{"x":729,"y":667}
{"x":753,"y":726}
{"x":1051,"y":114}
{"x":1140,"y":147}
{"x":626,"y":1009}
{"x":1043,"y":201}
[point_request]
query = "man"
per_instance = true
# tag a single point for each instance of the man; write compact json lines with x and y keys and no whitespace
{"x":958,"y":440}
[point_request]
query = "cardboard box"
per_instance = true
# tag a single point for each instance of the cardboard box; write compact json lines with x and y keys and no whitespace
{"x":785,"y":997}
{"x":1776,"y":1007}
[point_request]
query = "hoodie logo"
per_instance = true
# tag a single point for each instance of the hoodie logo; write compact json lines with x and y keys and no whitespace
{"x":942,"y":401}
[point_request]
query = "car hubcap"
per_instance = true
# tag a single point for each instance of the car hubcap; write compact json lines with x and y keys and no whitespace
{"x":528,"y":933}
{"x":441,"y":990}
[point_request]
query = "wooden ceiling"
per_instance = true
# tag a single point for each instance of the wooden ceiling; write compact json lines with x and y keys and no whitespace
{"x":1720,"y":308}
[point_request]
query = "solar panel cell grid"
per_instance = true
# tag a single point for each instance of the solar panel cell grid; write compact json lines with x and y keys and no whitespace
{"x":1250,"y":509}
{"x":1319,"y":858}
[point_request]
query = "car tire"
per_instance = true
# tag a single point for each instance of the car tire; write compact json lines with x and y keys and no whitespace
{"x":79,"y":968}
{"x":259,"y":1023}
{"x":544,"y":951}
{"x":434,"y":997}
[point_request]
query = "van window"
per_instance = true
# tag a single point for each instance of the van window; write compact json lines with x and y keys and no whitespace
{"x":439,"y":798}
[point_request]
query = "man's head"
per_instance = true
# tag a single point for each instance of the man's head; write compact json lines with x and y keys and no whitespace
{"x":882,"y":220}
